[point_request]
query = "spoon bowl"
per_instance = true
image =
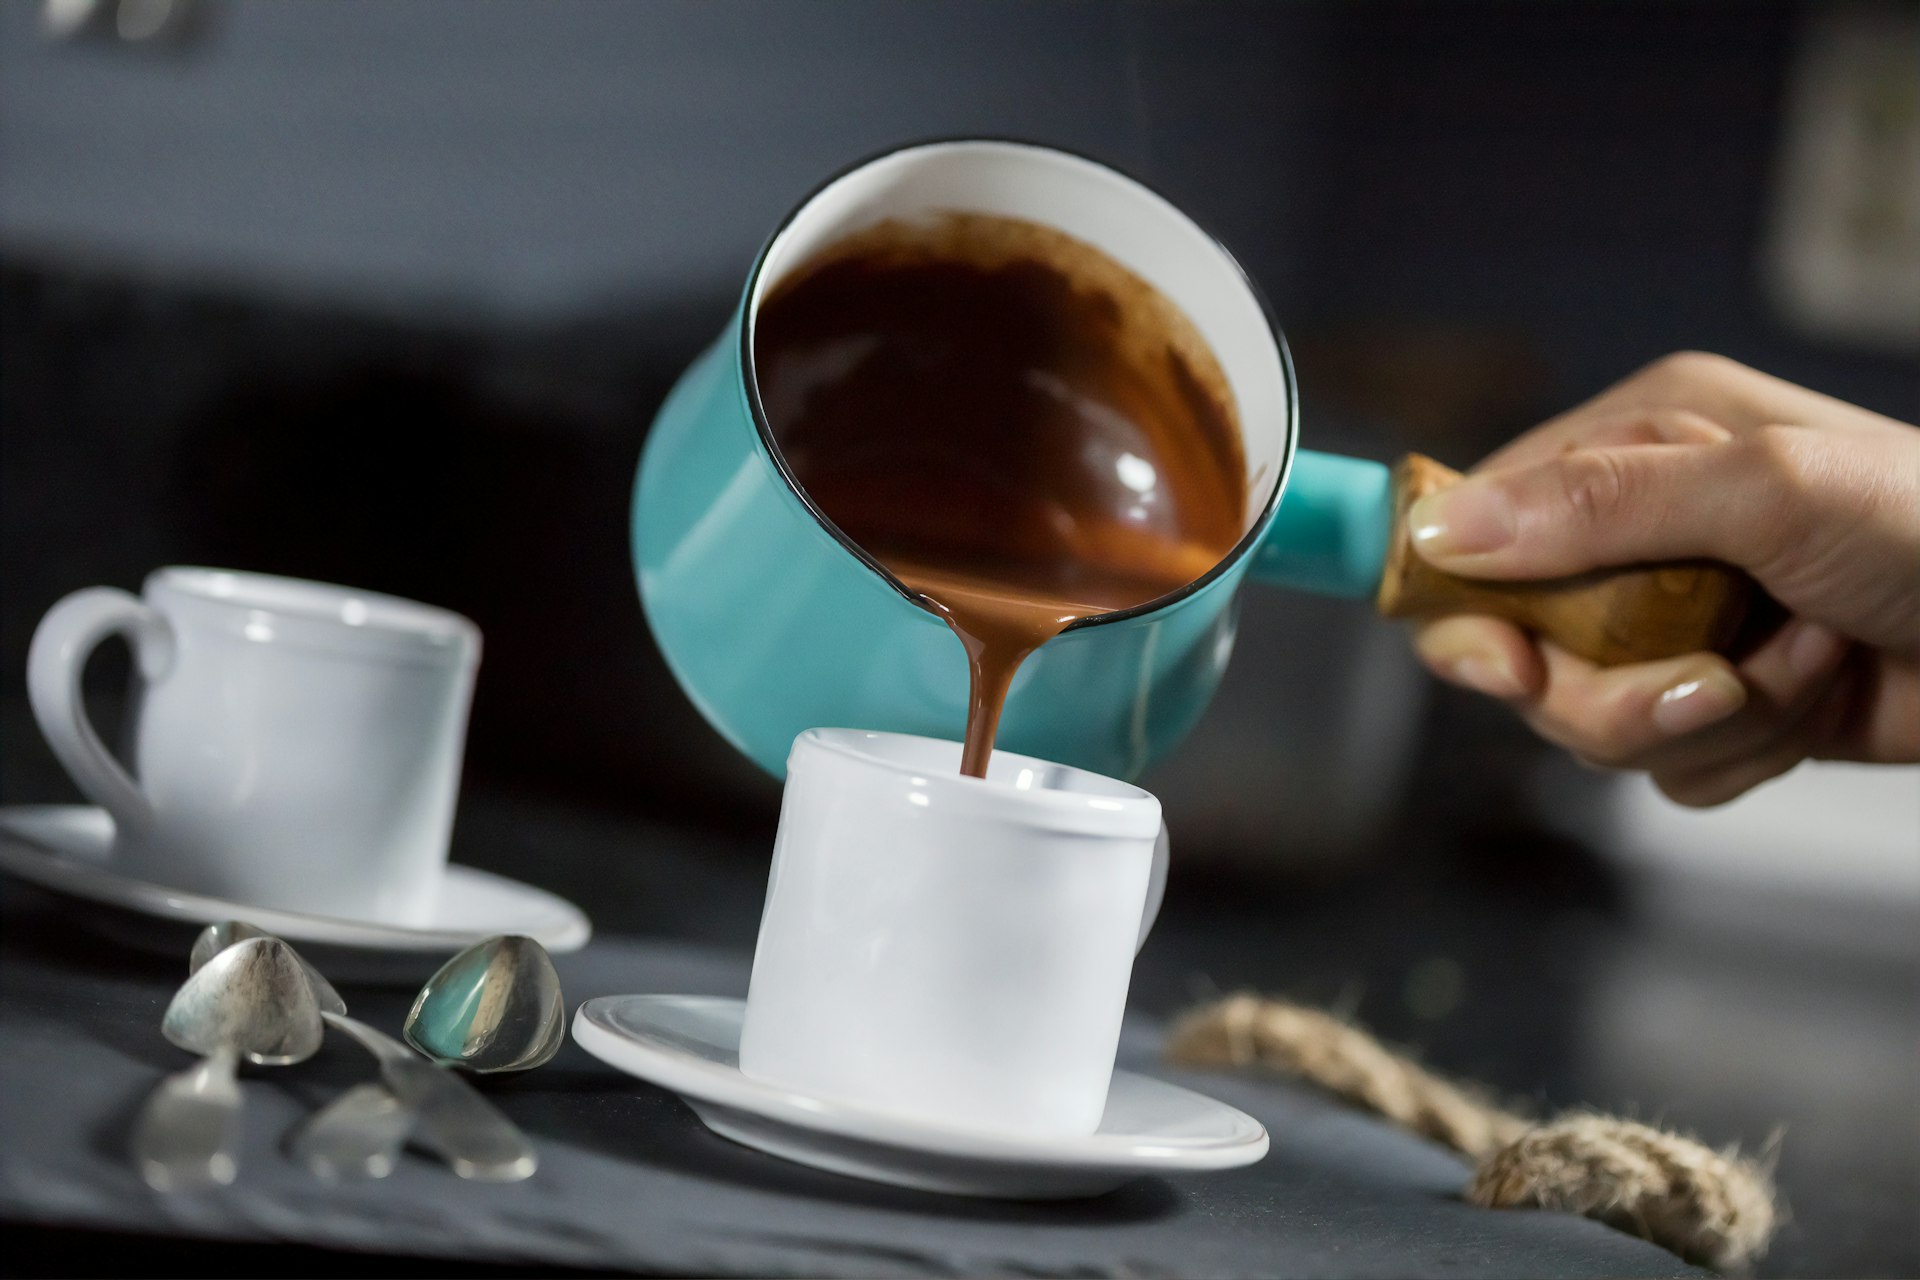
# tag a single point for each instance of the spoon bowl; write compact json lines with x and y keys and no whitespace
{"x":360,"y":1134}
{"x":217,"y":938}
{"x":494,"y":1007}
{"x":253,"y":1000}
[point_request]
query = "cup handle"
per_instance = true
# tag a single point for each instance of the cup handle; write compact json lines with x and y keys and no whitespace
{"x":1156,"y":887}
{"x":64,"y":640}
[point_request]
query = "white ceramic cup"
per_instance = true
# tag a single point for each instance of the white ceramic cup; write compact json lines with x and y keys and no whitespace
{"x":952,"y":949}
{"x":292,"y":745}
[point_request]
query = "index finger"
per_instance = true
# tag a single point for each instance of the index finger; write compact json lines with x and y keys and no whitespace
{"x":1584,"y":428}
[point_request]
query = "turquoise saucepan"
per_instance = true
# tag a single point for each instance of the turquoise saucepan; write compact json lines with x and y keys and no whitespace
{"x":774,"y":622}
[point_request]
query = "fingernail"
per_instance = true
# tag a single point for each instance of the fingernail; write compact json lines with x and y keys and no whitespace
{"x":1469,"y":519}
{"x":1814,"y":649}
{"x":1695,"y":704}
{"x":1487,"y":674}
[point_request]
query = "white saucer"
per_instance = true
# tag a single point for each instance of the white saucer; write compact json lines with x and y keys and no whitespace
{"x":64,"y":848}
{"x":690,"y":1044}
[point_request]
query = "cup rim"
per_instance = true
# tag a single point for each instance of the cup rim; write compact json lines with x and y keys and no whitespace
{"x":763,"y":425}
{"x":1118,"y":808}
{"x":300,"y":611}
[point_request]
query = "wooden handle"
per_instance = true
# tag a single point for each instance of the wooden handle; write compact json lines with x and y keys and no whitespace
{"x":1610,"y":616}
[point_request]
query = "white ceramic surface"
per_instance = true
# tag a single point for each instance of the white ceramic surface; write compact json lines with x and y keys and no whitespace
{"x":689,"y":1044}
{"x":296,"y":745}
{"x":948,"y":947}
{"x":68,"y":849}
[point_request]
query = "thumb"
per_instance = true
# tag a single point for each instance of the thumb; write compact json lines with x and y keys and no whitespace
{"x":1595,"y":508}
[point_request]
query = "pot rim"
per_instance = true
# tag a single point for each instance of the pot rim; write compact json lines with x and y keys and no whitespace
{"x":764,"y":428}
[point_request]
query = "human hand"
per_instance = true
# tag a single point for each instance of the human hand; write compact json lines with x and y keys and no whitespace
{"x":1698,"y":456}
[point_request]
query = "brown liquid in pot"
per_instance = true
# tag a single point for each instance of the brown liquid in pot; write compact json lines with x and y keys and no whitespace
{"x":1020,"y":429}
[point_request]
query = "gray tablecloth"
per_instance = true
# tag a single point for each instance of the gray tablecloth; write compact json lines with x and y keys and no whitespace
{"x":630,"y":1179}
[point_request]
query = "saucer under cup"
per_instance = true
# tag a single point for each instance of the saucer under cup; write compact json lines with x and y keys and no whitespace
{"x":68,"y":850}
{"x":689,"y":1044}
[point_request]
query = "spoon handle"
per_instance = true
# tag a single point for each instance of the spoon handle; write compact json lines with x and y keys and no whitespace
{"x":188,"y":1133}
{"x":357,"y":1135}
{"x":466,"y":1129}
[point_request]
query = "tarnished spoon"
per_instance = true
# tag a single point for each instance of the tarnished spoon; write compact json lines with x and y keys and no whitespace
{"x":360,"y":1134}
{"x":251,"y":1001}
{"x":365,"y":1140}
{"x":494,"y":1007}
{"x":215,"y":938}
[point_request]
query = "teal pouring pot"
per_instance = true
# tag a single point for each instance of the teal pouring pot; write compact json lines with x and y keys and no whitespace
{"x":774,"y":622}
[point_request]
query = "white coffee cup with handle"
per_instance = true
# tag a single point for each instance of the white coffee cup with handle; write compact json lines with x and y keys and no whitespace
{"x":291,"y":744}
{"x":951,"y":949}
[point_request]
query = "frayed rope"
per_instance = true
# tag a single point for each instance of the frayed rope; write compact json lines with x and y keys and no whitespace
{"x":1711,"y":1207}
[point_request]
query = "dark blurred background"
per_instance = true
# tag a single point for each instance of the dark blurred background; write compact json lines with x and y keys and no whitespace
{"x":387,"y":294}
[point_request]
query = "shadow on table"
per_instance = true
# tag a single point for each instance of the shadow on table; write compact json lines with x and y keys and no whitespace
{"x":638,"y":1123}
{"x":59,"y":1251}
{"x":73,"y":938}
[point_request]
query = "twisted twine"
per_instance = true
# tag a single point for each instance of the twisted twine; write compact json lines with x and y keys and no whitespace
{"x":1712,"y":1207}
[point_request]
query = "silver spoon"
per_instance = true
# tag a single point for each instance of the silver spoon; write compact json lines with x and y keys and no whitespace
{"x":365,"y":1140}
{"x":252,"y":1001}
{"x":494,"y":1007}
{"x":215,"y":938}
{"x":361,"y":1133}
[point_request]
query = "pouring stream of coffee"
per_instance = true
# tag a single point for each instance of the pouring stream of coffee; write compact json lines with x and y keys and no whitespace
{"x":1020,"y":429}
